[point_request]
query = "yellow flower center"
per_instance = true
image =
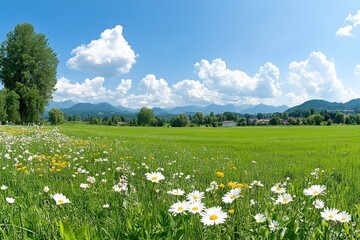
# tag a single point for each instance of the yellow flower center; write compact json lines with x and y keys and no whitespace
{"x":61,"y":201}
{"x":195,"y":197}
{"x":233,"y":196}
{"x":285,"y":200}
{"x":180,"y":208}
{"x":213,"y":217}
{"x":195,"y":208}
{"x":154,"y":178}
{"x":331,"y":216}
{"x":278,"y":189}
{"x":315,"y":193}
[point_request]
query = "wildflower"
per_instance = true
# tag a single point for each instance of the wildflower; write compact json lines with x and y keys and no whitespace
{"x":231,"y":196}
{"x":252,"y":202}
{"x":256,"y":183}
{"x":330,"y":214}
{"x":284,"y":198}
{"x":154,"y":177}
{"x":10,"y":200}
{"x":176,"y":192}
{"x":231,"y":184}
{"x":91,"y":179}
{"x":221,"y":185}
{"x":220,"y":174}
{"x":259,"y":218}
{"x":103,"y":181}
{"x":195,"y":196}
{"x":178,"y":207}
{"x":343,"y":217}
{"x":3,"y":187}
{"x":46,"y":189}
{"x":278,"y":189}
{"x":318,"y":204}
{"x":274,"y":225}
{"x":84,"y":185}
{"x":213,"y":186}
{"x":231,"y":211}
{"x":60,"y":199}
{"x":106,"y":205}
{"x":314,"y":190}
{"x":213,"y":216}
{"x":195,"y":207}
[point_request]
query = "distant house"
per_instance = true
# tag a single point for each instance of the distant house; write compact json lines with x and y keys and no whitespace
{"x":229,"y":123}
{"x":262,"y":121}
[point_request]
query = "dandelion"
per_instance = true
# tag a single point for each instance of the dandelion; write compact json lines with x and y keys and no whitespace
{"x":330,"y":214}
{"x":220,"y":174}
{"x":195,"y":196}
{"x":10,"y":200}
{"x":176,"y":192}
{"x":231,"y":211}
{"x":284,"y":198}
{"x":154,"y":177}
{"x":314,"y":190}
{"x":213,"y":216}
{"x":319,"y":204}
{"x":259,"y":218}
{"x":274,"y":225}
{"x":278,"y":189}
{"x":60,"y":199}
{"x":231,"y":196}
{"x":178,"y":207}
{"x":343,"y":217}
{"x":195,"y":207}
{"x":3,"y":187}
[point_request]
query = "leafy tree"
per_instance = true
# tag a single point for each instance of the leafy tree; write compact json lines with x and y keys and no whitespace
{"x":180,"y":121}
{"x":339,"y":118}
{"x":12,"y":107}
{"x":28,"y":67}
{"x":317,"y":118}
{"x":3,"y":115}
{"x":56,"y":116}
{"x":145,"y":116}
{"x":275,"y":120}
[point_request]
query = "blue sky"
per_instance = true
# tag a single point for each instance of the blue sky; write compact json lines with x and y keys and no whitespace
{"x":165,"y":53}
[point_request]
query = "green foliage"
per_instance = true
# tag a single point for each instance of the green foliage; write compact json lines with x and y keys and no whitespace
{"x":67,"y":232}
{"x":13,"y":106}
{"x":3,"y":115}
{"x":56,"y":117}
{"x":180,"y":121}
{"x":28,"y":67}
{"x":145,"y":117}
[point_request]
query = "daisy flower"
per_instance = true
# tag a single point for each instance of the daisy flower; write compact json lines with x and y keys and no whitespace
{"x":176,"y":192}
{"x":46,"y":189}
{"x":60,"y":199}
{"x":195,"y":207}
{"x":278,"y":189}
{"x":343,"y":217}
{"x":284,"y":198}
{"x":213,"y":216}
{"x":259,"y":218}
{"x":274,"y":225}
{"x":195,"y":196}
{"x":154,"y":177}
{"x":330,"y":214}
{"x":91,"y":179}
{"x":10,"y":200}
{"x":314,"y":190}
{"x":319,"y":204}
{"x":178,"y":207}
{"x":84,"y":185}
{"x":231,"y":196}
{"x":3,"y":187}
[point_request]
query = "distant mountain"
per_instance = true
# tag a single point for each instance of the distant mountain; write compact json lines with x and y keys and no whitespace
{"x":262,"y":108}
{"x":65,"y":104}
{"x":319,"y":105}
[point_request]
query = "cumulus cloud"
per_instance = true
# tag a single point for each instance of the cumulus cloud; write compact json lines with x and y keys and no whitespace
{"x":345,"y":31}
{"x":354,"y":19}
{"x":153,"y":92}
{"x":316,"y":78}
{"x":109,"y":55}
{"x":217,"y":77}
{"x":357,"y":69}
{"x":124,"y":86}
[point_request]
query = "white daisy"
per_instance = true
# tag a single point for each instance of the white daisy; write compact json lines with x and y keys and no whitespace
{"x":213,"y":216}
{"x":10,"y":200}
{"x":84,"y":185}
{"x":343,"y":217}
{"x":195,"y":196}
{"x":330,"y":214}
{"x":319,"y":204}
{"x":179,"y":207}
{"x":3,"y":187}
{"x":176,"y":192}
{"x":278,"y":189}
{"x":46,"y":189}
{"x":259,"y":218}
{"x":195,"y":206}
{"x":154,"y":177}
{"x":231,"y":196}
{"x":274,"y":225}
{"x":284,"y":198}
{"x":314,"y":190}
{"x":60,"y":199}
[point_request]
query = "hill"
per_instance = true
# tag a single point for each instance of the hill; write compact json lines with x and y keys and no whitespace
{"x":320,"y":105}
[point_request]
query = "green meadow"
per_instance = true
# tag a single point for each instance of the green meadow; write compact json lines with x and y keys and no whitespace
{"x":102,"y":172}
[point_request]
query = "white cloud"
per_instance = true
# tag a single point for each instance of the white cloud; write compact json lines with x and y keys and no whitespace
{"x":217,"y":77}
{"x":345,"y":31}
{"x":108,"y":56}
{"x":124,"y":86}
{"x":316,"y":78}
{"x":354,"y":19}
{"x":357,"y":69}
{"x":194,"y":92}
{"x":152,"y":93}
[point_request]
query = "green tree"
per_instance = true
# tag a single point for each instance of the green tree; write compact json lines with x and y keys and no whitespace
{"x":317,"y":118}
{"x":28,"y":67}
{"x":3,"y":115}
{"x":56,"y":116}
{"x":180,"y":121}
{"x":339,"y":117}
{"x":12,"y":107}
{"x":145,"y":116}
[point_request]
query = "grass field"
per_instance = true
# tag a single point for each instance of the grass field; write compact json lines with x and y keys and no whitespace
{"x":102,"y":171}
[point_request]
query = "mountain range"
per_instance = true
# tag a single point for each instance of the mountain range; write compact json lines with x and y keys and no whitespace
{"x":106,"y":109}
{"x":320,"y":105}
